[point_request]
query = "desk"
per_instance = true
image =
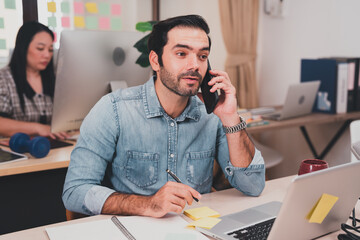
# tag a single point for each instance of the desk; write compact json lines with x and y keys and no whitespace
{"x":221,"y":201}
{"x":32,"y":188}
{"x":315,"y":119}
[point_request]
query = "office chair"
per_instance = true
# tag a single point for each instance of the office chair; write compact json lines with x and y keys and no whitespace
{"x":354,"y":137}
{"x":271,"y":156}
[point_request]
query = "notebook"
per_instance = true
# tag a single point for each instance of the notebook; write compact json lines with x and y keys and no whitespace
{"x":169,"y":227}
{"x":292,"y":215}
{"x":299,"y":101}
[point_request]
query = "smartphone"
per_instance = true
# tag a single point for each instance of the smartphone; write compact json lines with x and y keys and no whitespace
{"x":210,"y":99}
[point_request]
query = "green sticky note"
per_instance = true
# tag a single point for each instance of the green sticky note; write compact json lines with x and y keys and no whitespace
{"x":104,"y":8}
{"x":91,"y":22}
{"x":52,"y":22}
{"x":65,"y":7}
{"x":116,"y":24}
{"x":1,"y":22}
{"x":10,"y":4}
{"x":2,"y":44}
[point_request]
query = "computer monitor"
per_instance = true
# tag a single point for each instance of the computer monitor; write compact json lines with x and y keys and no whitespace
{"x":87,"y":62}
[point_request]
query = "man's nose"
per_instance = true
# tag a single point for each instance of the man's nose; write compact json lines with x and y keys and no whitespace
{"x":193,"y":62}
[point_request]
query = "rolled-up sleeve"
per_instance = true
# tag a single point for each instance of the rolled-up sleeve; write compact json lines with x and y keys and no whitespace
{"x":93,"y":152}
{"x":250,"y":180}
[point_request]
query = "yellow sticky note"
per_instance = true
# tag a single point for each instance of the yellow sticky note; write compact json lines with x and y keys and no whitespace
{"x":91,"y":7}
{"x":201,"y":212}
{"x":322,"y":208}
{"x":206,"y":222}
{"x":79,"y":22}
{"x":51,"y":6}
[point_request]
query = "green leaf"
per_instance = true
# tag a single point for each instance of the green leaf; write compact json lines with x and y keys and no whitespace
{"x":143,"y":60}
{"x":141,"y":45}
{"x":144,"y":26}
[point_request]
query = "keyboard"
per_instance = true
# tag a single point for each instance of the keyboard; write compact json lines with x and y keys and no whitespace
{"x":259,"y":231}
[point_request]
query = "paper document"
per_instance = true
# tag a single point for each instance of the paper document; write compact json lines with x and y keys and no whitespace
{"x":172,"y":226}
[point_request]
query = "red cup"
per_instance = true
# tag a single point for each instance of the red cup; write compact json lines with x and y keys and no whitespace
{"x":312,"y":165}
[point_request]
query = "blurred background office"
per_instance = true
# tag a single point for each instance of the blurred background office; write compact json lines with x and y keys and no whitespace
{"x":287,"y":32}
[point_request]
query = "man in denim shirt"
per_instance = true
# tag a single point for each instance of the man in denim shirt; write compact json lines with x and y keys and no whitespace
{"x":132,"y":136}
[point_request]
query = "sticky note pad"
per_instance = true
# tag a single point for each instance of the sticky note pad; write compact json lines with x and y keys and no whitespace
{"x":104,"y":8}
{"x":206,"y":222}
{"x":65,"y":22}
{"x":116,"y":9}
{"x":322,"y":208}
{"x":79,"y":22}
{"x":2,"y":44}
{"x":52,"y":22}
{"x":9,"y":4}
{"x":201,"y":212}
{"x":51,"y":6}
{"x":1,"y":22}
{"x":65,"y":7}
{"x":104,"y":23}
{"x":91,"y":7}
{"x":79,"y":7}
{"x":91,"y":22}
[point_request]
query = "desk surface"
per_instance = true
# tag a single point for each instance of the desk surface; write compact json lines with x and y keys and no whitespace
{"x":314,"y":118}
{"x":274,"y":191}
{"x":57,"y":158}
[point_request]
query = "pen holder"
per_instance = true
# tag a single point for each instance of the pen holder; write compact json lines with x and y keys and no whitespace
{"x":38,"y":146}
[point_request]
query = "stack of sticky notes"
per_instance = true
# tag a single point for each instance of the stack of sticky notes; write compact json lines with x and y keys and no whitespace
{"x":204,"y":217}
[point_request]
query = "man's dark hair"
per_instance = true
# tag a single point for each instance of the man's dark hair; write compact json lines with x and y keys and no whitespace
{"x":158,"y":37}
{"x":18,"y":62}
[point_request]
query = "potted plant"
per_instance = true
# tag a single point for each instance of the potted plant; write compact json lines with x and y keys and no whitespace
{"x":141,"y":45}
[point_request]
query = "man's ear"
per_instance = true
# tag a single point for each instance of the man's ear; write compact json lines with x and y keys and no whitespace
{"x":154,"y":61}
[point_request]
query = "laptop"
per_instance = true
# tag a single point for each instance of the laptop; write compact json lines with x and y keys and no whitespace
{"x":299,"y":101}
{"x":288,"y":219}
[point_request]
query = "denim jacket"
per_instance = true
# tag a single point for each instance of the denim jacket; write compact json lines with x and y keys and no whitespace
{"x":128,"y":137}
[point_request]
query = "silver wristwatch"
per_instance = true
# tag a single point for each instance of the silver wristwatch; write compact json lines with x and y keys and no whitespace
{"x":236,"y":128}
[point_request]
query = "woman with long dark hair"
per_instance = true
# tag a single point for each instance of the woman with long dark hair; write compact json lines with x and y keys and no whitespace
{"x":27,"y":84}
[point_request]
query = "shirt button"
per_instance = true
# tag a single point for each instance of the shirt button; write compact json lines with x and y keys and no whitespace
{"x":172,"y":124}
{"x":172,"y":155}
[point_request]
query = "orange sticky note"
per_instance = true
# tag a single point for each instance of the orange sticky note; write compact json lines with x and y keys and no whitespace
{"x":79,"y":22}
{"x":91,"y":7}
{"x":322,"y":208}
{"x":51,"y":6}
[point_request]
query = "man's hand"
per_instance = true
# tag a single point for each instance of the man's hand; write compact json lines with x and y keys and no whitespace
{"x":172,"y":197}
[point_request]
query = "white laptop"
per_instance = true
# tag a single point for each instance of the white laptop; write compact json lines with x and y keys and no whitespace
{"x":299,"y":101}
{"x":341,"y":181}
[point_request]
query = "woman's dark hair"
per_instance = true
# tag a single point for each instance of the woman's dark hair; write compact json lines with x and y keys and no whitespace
{"x":158,"y":37}
{"x":18,"y":62}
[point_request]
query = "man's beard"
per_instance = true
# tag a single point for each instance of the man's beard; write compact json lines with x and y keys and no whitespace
{"x":173,"y":83}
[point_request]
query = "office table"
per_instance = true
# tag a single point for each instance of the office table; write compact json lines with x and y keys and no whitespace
{"x":225,"y":202}
{"x":32,"y":188}
{"x":311,"y":119}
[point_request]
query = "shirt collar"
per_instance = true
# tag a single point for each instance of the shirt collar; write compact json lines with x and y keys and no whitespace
{"x":154,"y":109}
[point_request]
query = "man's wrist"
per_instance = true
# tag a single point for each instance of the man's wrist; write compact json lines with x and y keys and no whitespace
{"x":235,"y":128}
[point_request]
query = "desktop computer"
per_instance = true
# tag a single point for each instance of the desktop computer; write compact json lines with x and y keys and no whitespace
{"x":87,"y":62}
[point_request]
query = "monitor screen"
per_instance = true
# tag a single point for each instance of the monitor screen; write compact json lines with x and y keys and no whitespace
{"x":87,"y":62}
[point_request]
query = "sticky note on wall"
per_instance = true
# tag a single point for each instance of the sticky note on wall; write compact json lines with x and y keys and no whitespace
{"x":51,"y":7}
{"x":322,"y":208}
{"x":79,"y":22}
{"x":91,"y":7}
{"x":201,"y":212}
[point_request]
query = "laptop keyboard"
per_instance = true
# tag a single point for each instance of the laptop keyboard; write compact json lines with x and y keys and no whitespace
{"x":258,"y":231}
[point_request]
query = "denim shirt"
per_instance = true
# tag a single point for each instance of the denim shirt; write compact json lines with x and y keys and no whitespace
{"x":128,"y":137}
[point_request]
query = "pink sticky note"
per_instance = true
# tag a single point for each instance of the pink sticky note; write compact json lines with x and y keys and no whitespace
{"x":79,"y":7}
{"x":115,"y":9}
{"x":65,"y":22}
{"x":104,"y":23}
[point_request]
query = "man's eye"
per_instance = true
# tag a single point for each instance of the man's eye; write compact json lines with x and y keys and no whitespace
{"x":180,"y":54}
{"x":203,"y":57}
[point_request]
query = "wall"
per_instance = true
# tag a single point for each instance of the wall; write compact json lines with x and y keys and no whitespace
{"x":310,"y":29}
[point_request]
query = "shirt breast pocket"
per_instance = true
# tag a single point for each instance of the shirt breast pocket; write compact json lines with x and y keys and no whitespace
{"x":200,"y":167}
{"x":142,"y":168}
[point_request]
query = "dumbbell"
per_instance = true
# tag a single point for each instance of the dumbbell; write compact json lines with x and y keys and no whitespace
{"x":38,"y":146}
